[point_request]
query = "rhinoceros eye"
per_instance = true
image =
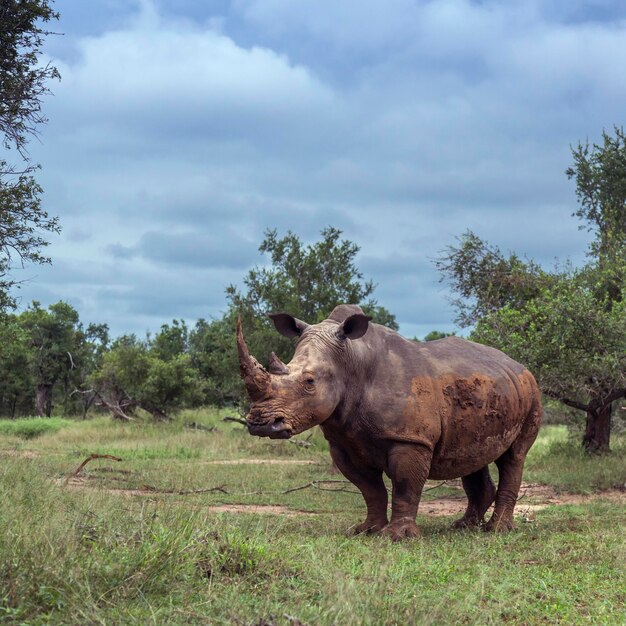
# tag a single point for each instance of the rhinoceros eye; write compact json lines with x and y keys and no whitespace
{"x":309,"y":382}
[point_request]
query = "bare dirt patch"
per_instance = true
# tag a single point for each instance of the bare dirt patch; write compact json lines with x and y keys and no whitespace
{"x":80,"y":483}
{"x":532,"y":498}
{"x":258,"y":508}
{"x":83,"y":482}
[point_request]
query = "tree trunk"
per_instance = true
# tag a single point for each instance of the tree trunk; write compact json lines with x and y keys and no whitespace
{"x":44,"y":401}
{"x":87,"y":400}
{"x":157,"y":414}
{"x":114,"y":408}
{"x":598,"y":430}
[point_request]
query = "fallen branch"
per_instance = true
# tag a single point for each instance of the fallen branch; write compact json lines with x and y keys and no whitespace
{"x":235,"y":419}
{"x":197,"y":426}
{"x":301,"y":443}
{"x":316,"y":484}
{"x":186,"y":492}
{"x":79,"y":469}
{"x":441,"y":484}
{"x":116,"y":410}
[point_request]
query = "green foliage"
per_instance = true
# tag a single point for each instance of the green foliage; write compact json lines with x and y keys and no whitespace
{"x":433,"y":335}
{"x":601,"y":190}
{"x":213,"y":353}
{"x":17,"y":385}
{"x":573,"y":344}
{"x":46,"y":356}
{"x":307,"y":281}
{"x":486,"y":280}
{"x":60,"y":351}
{"x":180,"y":366}
{"x":132,"y":375}
{"x":53,"y":336}
{"x":23,"y":81}
{"x":600,"y":175}
{"x":171,"y":341}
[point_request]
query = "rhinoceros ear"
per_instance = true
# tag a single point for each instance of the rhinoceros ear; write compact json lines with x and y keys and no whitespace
{"x":288,"y":325}
{"x":354,"y":326}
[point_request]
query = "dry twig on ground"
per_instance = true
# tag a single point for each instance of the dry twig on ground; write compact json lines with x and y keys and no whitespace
{"x":79,"y":469}
{"x":238,"y":420}
{"x":185,"y":492}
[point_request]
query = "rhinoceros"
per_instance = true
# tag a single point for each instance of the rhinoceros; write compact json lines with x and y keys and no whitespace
{"x":436,"y":410}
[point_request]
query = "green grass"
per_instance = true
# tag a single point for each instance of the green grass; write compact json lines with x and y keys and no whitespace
{"x":90,"y":555}
{"x":31,"y":427}
{"x":557,"y":460}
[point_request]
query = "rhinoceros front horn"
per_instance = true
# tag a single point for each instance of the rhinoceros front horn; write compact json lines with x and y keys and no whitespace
{"x":255,"y":377}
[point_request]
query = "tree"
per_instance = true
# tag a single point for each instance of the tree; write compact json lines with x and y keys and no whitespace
{"x":307,"y":281}
{"x":567,"y":325}
{"x":600,"y":175}
{"x":133,"y":375}
{"x":90,"y":355}
{"x":23,"y":83}
{"x":17,"y":386}
{"x":171,"y":341}
{"x":55,"y":340}
{"x":213,"y":355}
{"x":486,"y":280}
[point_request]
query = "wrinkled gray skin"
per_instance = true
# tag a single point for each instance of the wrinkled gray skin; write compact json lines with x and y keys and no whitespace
{"x":442,"y":409}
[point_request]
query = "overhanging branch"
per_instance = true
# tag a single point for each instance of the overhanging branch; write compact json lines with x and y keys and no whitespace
{"x":573,"y":403}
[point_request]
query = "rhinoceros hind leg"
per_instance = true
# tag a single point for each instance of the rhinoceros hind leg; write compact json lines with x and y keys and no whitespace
{"x":481,"y":492}
{"x":510,"y":467}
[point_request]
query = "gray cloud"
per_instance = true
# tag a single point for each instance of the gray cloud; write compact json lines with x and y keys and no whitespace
{"x":192,"y":249}
{"x":181,"y":131}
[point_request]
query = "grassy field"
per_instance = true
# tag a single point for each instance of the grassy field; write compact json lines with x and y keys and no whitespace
{"x":150,"y":540}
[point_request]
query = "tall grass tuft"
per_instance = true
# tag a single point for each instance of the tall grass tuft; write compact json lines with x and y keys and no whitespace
{"x":31,"y":427}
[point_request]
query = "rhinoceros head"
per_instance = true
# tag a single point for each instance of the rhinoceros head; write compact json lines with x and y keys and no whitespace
{"x":288,"y":399}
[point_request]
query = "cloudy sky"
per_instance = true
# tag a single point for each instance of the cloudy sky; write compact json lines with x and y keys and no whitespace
{"x":182,"y":129}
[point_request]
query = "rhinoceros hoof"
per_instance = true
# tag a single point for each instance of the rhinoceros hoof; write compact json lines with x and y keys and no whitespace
{"x":401,"y":529}
{"x":467,"y":522}
{"x":368,"y":527}
{"x":499,"y":526}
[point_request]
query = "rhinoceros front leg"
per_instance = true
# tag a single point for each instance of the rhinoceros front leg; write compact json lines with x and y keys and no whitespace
{"x":408,"y":467}
{"x":370,"y":483}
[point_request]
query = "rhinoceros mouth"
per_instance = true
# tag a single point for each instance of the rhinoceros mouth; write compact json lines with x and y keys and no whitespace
{"x":276,"y":429}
